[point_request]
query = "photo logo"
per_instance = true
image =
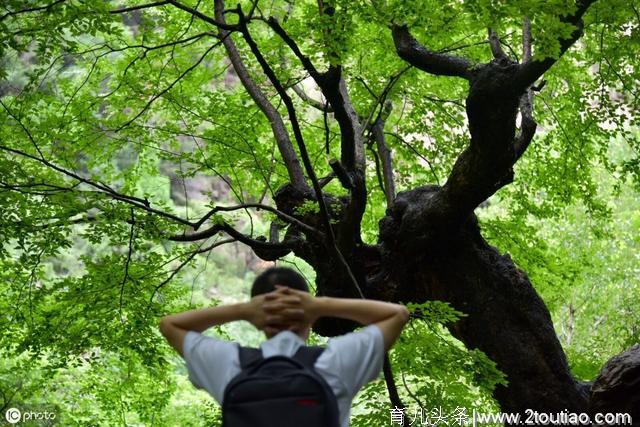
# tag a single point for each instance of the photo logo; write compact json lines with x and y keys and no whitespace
{"x":13,"y":415}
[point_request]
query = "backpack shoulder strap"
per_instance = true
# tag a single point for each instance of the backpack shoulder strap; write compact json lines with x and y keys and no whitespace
{"x":307,"y":355}
{"x":248,"y":356}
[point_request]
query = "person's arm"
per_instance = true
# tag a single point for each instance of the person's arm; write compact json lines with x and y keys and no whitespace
{"x":388,"y":317}
{"x":174,"y":327}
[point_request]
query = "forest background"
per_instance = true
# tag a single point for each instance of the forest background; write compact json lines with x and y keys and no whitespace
{"x":124,"y":124}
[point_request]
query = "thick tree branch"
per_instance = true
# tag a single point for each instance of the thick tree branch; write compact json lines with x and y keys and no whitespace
{"x":260,"y":243}
{"x":352,"y":142}
{"x":334,"y":89}
{"x":294,"y":121}
{"x":531,"y":71}
{"x":306,"y":62}
{"x":280,"y":133}
{"x":376,"y":159}
{"x":527,"y":132}
{"x":526,"y":40}
{"x":264,"y":249}
{"x":496,"y":47}
{"x":342,"y":175}
{"x":420,"y":57}
{"x":385,"y":158}
{"x":498,"y":91}
{"x":528,"y":124}
{"x":332,"y":243}
{"x":326,"y":179}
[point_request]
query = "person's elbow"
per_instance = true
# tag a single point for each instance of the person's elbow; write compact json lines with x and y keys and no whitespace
{"x":401,"y":318}
{"x":391,"y":327}
{"x":165,"y":326}
{"x":172,"y":333}
{"x":403,"y":314}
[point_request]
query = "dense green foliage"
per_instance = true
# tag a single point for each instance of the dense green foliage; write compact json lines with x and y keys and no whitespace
{"x":104,"y":117}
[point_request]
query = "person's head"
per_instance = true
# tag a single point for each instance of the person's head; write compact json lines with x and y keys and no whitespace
{"x":267,"y":280}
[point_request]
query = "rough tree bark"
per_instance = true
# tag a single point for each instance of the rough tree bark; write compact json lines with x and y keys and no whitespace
{"x":430,"y":246}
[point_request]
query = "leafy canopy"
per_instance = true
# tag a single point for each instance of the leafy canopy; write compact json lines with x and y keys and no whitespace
{"x":103,"y":114}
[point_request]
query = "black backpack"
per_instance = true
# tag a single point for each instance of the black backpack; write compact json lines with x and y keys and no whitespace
{"x":279,"y":391}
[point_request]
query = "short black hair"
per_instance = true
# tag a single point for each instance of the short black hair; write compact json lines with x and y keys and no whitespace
{"x":268,"y":279}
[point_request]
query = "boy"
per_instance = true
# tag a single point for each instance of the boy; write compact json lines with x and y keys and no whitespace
{"x":283,"y":309}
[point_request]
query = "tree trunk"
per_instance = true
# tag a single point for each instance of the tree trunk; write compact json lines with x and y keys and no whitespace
{"x":617,"y":387}
{"x":430,"y":246}
{"x":506,"y":318}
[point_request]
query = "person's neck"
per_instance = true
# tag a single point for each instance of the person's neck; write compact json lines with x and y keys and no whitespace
{"x":304,"y":336}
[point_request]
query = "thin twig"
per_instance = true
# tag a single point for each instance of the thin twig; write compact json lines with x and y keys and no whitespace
{"x":126,"y":264}
{"x":138,"y":7}
{"x":33,"y":9}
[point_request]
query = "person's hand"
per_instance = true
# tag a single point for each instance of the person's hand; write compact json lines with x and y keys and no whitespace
{"x":292,"y":305}
{"x":284,"y":312}
{"x":275,"y":311}
{"x":255,"y":314}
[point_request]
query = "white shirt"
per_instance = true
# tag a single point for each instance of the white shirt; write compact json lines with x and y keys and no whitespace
{"x":347,"y":364}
